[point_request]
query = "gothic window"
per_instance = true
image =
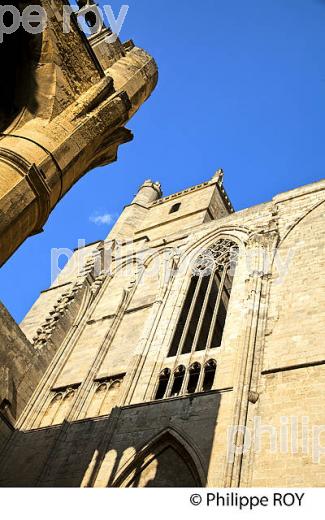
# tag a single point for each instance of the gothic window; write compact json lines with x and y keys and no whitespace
{"x":188,"y":381}
{"x":59,"y":407}
{"x":194,"y":376}
{"x":52,"y":410}
{"x":163,"y":383}
{"x":111,"y":397}
{"x":175,"y":208}
{"x":105,"y":396}
{"x":97,"y":400}
{"x":203,"y":315}
{"x":65,"y":406}
{"x":178,"y":381}
{"x":209,"y":375}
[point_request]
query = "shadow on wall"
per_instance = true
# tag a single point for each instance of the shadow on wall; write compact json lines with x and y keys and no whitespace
{"x":159,"y":444}
{"x":19,"y":55}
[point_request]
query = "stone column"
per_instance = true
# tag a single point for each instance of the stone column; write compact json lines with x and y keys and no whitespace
{"x":71,"y":120}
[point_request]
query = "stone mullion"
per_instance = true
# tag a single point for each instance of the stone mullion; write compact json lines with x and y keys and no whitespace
{"x":184,"y":334}
{"x":207,"y":355}
{"x":201,"y":376}
{"x":170,"y":383}
{"x":198,"y":331}
{"x":188,"y":319}
{"x":108,"y":387}
{"x":64,"y":393}
{"x":202,"y":314}
{"x":217,"y":307}
{"x":185,"y":380}
{"x":202,"y":373}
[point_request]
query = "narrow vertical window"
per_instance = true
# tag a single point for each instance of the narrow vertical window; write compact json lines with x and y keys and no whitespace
{"x":209,"y":375}
{"x":194,"y":375}
{"x":182,"y":319}
{"x":111,"y":398}
{"x":178,"y":381}
{"x":208,"y":312}
{"x":195,"y":315}
{"x":163,"y":384}
{"x":65,"y":407}
{"x":52,"y":410}
{"x":97,"y":400}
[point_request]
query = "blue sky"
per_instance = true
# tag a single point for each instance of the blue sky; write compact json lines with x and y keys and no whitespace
{"x":242,"y":87}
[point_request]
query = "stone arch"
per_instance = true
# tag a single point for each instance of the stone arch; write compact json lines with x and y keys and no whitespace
{"x":298,"y":222}
{"x":294,"y":322}
{"x":112,"y":294}
{"x":154,"y":278}
{"x":168,"y":460}
{"x":239,"y":235}
{"x":156,"y":254}
{"x":123,"y":265}
{"x":194,"y":283}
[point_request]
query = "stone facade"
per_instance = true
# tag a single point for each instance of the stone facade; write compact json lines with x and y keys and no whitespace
{"x":186,"y":348}
{"x":117,"y":406}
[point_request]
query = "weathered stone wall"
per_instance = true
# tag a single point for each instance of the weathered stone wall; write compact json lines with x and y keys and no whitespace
{"x":21,"y":368}
{"x":68,"y":118}
{"x":93,"y":420}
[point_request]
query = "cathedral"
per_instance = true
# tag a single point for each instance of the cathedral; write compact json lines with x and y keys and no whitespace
{"x":186,"y":348}
{"x":182,"y":342}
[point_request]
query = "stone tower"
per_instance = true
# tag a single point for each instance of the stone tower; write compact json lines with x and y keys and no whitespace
{"x":64,"y":102}
{"x":188,"y":349}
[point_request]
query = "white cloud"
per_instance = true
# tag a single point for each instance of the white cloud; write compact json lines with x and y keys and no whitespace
{"x":102,"y":220}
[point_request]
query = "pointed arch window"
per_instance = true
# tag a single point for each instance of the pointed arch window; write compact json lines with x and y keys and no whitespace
{"x":105,"y":397}
{"x":186,"y":381}
{"x":203,"y":315}
{"x":209,"y":375}
{"x":52,"y":410}
{"x":163,"y":383}
{"x":193,"y":379}
{"x":65,"y":406}
{"x":179,"y":375}
{"x":59,"y":405}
